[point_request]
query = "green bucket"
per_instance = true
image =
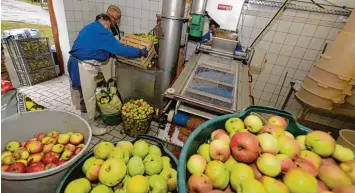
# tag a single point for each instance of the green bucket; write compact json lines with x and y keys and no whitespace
{"x":203,"y":133}
{"x":112,"y":119}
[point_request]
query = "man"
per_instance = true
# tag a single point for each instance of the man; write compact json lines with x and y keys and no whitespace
{"x":208,"y":36}
{"x":92,"y":47}
{"x":115,"y":14}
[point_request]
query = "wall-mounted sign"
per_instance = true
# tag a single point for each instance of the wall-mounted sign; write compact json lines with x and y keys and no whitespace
{"x":224,"y":7}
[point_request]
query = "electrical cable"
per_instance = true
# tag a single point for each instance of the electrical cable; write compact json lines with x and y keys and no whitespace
{"x":317,"y":4}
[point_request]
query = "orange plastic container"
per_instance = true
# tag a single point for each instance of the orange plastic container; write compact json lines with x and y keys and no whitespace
{"x":314,"y":100}
{"x":328,"y":78}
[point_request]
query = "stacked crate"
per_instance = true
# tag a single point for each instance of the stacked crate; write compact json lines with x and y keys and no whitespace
{"x":32,"y":59}
{"x":141,"y":43}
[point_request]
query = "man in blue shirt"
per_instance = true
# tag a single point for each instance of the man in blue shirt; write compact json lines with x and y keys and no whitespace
{"x":208,"y":36}
{"x":91,"y":49}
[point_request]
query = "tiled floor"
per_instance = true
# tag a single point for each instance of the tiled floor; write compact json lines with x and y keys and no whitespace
{"x":55,"y":94}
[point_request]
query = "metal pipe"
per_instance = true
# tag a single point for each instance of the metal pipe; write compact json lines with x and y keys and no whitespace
{"x":198,"y":7}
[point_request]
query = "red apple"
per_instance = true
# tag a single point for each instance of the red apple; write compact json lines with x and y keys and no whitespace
{"x":76,"y":138}
{"x":17,"y":167}
{"x":322,"y":187}
{"x":53,"y":134}
{"x":69,"y":147}
{"x":33,"y":139}
{"x":221,"y":135}
{"x":33,"y":158}
{"x":35,"y":167}
{"x":307,"y":166}
{"x":34,"y":146}
{"x":274,"y":130}
{"x":23,"y":144}
{"x":50,"y":157}
{"x":77,"y":150}
{"x":4,"y":167}
{"x":60,"y":162}
{"x":219,"y":150}
{"x":245,"y":147}
{"x":50,"y":166}
{"x":286,"y":162}
{"x":218,"y":131}
{"x":40,"y":136}
{"x":257,"y":173}
{"x":278,"y":121}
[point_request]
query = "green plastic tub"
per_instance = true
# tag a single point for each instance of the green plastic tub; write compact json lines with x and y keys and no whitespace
{"x":203,"y":133}
{"x":75,"y":172}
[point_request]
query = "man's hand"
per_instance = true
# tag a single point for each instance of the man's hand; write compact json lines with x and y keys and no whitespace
{"x":143,"y":52}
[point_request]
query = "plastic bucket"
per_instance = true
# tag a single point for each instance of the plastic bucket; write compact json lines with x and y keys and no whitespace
{"x":75,"y":172}
{"x":328,"y":78}
{"x":203,"y":132}
{"x":347,"y":139}
{"x":22,"y":127}
{"x":313,"y":100}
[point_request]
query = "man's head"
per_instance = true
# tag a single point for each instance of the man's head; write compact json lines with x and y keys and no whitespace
{"x":114,"y":13}
{"x":105,"y":20}
{"x":213,"y":25}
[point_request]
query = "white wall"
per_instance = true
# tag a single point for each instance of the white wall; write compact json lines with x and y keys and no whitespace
{"x":62,"y":29}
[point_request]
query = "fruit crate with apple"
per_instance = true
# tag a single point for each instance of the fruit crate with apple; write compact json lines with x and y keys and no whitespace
{"x":39,"y":147}
{"x":245,"y":153}
{"x":129,"y":163}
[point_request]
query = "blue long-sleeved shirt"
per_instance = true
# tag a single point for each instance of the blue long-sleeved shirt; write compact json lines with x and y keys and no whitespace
{"x":95,"y":42}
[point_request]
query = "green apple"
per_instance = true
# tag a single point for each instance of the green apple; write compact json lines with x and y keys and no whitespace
{"x":153,"y":164}
{"x":140,"y":148}
{"x":299,"y":181}
{"x":230,"y":163}
{"x":12,"y":145}
{"x":301,"y":139}
{"x":250,"y":186}
{"x":101,"y":189}
{"x":321,"y":143}
{"x":343,"y":154}
{"x":253,"y":123}
{"x":240,"y":172}
{"x":196,"y":164}
{"x":234,"y":124}
{"x":81,"y":185}
{"x":269,"y":165}
{"x":154,"y":150}
{"x":87,"y":164}
{"x":6,"y":153}
{"x":135,"y":166}
{"x":166,"y":162}
{"x":122,"y":186}
{"x":204,"y":150}
{"x":126,"y":145}
{"x":120,"y":153}
{"x":112,"y":171}
{"x":273,"y":186}
{"x":218,"y":174}
{"x":157,"y":184}
{"x":143,"y":186}
{"x":103,"y":149}
{"x":170,"y":175}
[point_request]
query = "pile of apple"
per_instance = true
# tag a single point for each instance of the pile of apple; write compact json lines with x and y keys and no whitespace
{"x":43,"y":152}
{"x":126,"y":168}
{"x":249,"y":157}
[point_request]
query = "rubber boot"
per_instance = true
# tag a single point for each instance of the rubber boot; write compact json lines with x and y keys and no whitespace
{"x":94,"y":129}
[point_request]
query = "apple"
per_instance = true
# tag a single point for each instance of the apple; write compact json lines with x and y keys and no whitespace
{"x":33,"y":139}
{"x":218,"y":174}
{"x":199,"y":183}
{"x":299,"y":181}
{"x":93,"y":171}
{"x":272,"y":185}
{"x":306,"y":166}
{"x":63,"y":139}
{"x":40,"y":136}
{"x":66,"y":155}
{"x":118,"y":152}
{"x":69,"y":147}
{"x":60,"y":162}
{"x":8,"y":160}
{"x":196,"y":164}
{"x":12,"y":145}
{"x":349,"y":168}
{"x":230,"y":163}
{"x":81,"y":145}
{"x":301,"y":139}
{"x":6,"y":153}
{"x":253,"y":123}
{"x":244,"y":147}
{"x":269,"y":165}
{"x":157,"y":183}
{"x":234,"y":124}
{"x":344,"y":189}
{"x":22,"y":161}
{"x":289,"y":147}
{"x":126,"y":145}
{"x":278,"y":121}
{"x":240,"y":172}
{"x":140,"y":148}
{"x":170,"y":175}
{"x":321,"y":143}
{"x":219,"y":150}
{"x":154,"y":150}
{"x":289,"y":134}
{"x":50,"y":157}
{"x":76,"y":138}
{"x":77,"y":150}
{"x":329,"y":160}
{"x":223,"y":136}
{"x":333,"y":176}
{"x":343,"y":154}
{"x":250,"y":186}
{"x":81,"y":185}
{"x":33,"y":158}
{"x":153,"y":164}
{"x":50,"y":166}
{"x":166,"y":162}
{"x":48,"y":140}
{"x":58,"y":148}
{"x":204,"y":150}
{"x":21,"y":153}
{"x":47,"y":148}
{"x":87,"y":164}
{"x":257,"y":173}
{"x":135,"y":166}
{"x":17,"y":167}
{"x":35,"y":167}
{"x":321,"y":186}
{"x":112,"y":171}
{"x":53,"y":134}
{"x":311,"y":157}
{"x":70,"y":133}
{"x":268,"y":143}
{"x":4,"y":167}
{"x":34,"y":146}
{"x":100,"y":188}
{"x":23,"y":144}
{"x":273,"y":130}
{"x":103,"y":149}
{"x":143,"y":184}
{"x":286,"y":162}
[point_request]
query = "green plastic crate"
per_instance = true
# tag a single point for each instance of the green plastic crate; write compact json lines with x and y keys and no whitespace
{"x":75,"y":172}
{"x":203,"y":133}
